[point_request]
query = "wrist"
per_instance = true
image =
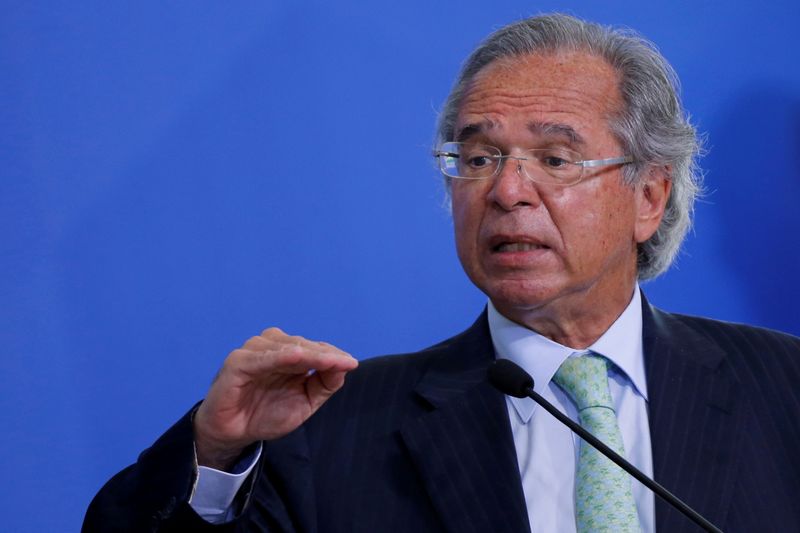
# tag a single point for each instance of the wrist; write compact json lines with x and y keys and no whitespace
{"x":213,"y":452}
{"x":216,"y":457}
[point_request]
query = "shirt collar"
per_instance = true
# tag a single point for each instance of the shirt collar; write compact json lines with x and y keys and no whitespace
{"x":541,"y":357}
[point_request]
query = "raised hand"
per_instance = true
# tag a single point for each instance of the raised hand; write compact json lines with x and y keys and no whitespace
{"x":265,"y":389}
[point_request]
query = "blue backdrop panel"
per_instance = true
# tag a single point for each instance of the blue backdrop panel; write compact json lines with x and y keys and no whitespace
{"x":175,"y":177}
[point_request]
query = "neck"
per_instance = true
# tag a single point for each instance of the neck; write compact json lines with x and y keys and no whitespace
{"x":577,"y":325}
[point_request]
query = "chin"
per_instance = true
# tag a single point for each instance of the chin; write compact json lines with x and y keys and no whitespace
{"x":521,"y":295}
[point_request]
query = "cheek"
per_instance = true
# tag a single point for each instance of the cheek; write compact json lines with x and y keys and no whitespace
{"x":462,"y":225}
{"x":612,"y":225}
{"x":591,"y":220}
{"x":467,"y":216}
{"x":464,"y":204}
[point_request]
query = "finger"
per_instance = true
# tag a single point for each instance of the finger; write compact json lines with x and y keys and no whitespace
{"x":278,"y":337}
{"x":275,"y":340}
{"x":288,"y":359}
{"x":299,"y":358}
{"x":257,"y":343}
{"x":281,"y":341}
{"x":322,"y":385}
{"x":273,"y":331}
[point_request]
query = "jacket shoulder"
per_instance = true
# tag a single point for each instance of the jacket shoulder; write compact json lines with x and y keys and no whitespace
{"x":754,"y":353}
{"x":387,"y":387}
{"x":752,"y":336}
{"x":413,"y":365}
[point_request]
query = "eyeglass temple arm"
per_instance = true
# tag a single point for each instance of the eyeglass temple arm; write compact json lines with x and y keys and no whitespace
{"x":605,"y":162}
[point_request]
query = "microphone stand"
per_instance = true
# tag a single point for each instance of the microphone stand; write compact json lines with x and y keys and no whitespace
{"x":623,"y":463}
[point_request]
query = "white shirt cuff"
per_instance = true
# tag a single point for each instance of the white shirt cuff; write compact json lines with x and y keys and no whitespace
{"x":215,"y":490}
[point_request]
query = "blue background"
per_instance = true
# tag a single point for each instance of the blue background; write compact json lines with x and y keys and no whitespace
{"x":177,"y":176}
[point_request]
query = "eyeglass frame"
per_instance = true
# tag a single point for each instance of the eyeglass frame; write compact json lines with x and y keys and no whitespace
{"x":583,"y":163}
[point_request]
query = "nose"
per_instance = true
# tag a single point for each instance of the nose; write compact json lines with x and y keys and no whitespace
{"x":512,"y":188}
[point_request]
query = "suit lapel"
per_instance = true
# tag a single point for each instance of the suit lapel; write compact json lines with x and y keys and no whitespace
{"x":463,"y":448}
{"x":695,"y":418}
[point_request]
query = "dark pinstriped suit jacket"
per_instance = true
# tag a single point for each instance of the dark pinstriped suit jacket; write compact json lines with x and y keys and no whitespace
{"x":421,"y":442}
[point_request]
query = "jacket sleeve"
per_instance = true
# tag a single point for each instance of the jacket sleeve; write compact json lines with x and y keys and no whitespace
{"x":153,"y":494}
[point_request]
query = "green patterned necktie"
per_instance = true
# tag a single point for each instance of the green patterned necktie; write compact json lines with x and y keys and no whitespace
{"x":603,"y":498}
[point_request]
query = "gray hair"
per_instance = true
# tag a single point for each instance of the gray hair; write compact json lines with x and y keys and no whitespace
{"x":652,"y":126}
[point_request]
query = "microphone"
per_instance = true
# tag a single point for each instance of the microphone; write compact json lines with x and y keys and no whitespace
{"x":507,"y":377}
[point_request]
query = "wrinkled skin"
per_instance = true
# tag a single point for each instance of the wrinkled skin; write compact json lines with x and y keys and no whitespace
{"x":559,"y":260}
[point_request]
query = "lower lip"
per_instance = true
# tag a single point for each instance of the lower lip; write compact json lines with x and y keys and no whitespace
{"x":518,"y":258}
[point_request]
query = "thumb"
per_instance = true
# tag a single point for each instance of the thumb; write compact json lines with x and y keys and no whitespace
{"x":322,"y":384}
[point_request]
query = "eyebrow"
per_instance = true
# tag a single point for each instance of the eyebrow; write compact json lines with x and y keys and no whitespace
{"x":549,"y":129}
{"x":470,"y":130}
{"x":546,"y":129}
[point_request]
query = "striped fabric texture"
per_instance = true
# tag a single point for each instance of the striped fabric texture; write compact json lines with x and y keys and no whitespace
{"x":422,"y":443}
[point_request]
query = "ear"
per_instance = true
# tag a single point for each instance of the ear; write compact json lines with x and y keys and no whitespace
{"x":652,"y":193}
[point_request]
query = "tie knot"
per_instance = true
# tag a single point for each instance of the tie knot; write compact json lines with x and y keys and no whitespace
{"x":585,"y":380}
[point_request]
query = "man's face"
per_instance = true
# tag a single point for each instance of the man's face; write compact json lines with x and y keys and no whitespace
{"x":545,"y":253}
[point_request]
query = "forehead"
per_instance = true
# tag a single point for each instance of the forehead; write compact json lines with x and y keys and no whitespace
{"x":555,"y":94}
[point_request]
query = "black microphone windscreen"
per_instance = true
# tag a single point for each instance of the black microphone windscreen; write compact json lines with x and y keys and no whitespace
{"x":509,"y":378}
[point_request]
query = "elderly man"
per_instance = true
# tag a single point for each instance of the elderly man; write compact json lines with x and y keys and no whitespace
{"x":571,"y":171}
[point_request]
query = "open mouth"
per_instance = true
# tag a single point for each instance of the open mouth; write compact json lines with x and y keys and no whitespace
{"x":517,"y":247}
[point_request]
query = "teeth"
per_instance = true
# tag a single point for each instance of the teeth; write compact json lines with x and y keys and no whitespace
{"x":518,"y":247}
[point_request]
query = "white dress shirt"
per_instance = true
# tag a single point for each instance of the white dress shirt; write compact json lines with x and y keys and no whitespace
{"x":547,"y":451}
{"x":214,"y":490}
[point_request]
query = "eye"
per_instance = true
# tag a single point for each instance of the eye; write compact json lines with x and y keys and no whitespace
{"x":478,"y":156}
{"x":556,"y":158}
{"x":479,"y":161}
{"x":554,"y":162}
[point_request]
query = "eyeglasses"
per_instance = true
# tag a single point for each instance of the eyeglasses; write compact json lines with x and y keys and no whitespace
{"x":558,"y":166}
